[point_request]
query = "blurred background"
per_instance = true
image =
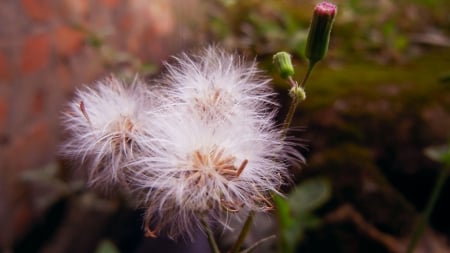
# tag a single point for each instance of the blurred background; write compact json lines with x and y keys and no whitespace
{"x":375,"y":104}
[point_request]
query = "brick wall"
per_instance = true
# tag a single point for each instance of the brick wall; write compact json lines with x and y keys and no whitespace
{"x":44,"y":55}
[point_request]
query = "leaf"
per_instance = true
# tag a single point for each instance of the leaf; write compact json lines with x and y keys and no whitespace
{"x":439,"y":153}
{"x":309,"y":195}
{"x":294,"y":213}
{"x":307,"y":220}
{"x":290,"y":238}
{"x":283,"y":211}
{"x":288,"y":232}
{"x":106,"y":246}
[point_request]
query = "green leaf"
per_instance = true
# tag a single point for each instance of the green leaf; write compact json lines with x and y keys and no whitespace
{"x":106,"y":246}
{"x":288,"y":232}
{"x":294,"y":213}
{"x":291,"y":238}
{"x":309,"y":195}
{"x":439,"y":153}
{"x":307,"y":220}
{"x":148,"y":68}
{"x":283,"y":211}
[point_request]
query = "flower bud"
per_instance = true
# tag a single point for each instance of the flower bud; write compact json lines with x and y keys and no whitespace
{"x":297,"y":92}
{"x":319,"y":31}
{"x":282,"y":61}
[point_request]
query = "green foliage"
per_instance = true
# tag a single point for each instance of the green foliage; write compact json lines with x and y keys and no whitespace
{"x":295,"y":213}
{"x":50,"y":177}
{"x":382,"y":31}
{"x":439,"y":154}
{"x":263,"y":26}
{"x":106,"y":246}
{"x":121,"y":63}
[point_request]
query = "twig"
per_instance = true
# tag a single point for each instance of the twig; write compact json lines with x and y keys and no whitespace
{"x":347,"y":212}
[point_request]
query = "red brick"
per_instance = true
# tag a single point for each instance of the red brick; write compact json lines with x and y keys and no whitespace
{"x":4,"y":68}
{"x":3,"y":112}
{"x":75,"y":8}
{"x":29,"y":144}
{"x":110,"y":3}
{"x":68,"y":40}
{"x":35,"y":53}
{"x":37,"y":103}
{"x":39,"y":10}
{"x":133,"y":44}
{"x":126,"y":23}
{"x":161,"y":18}
{"x":63,"y":77}
{"x":154,"y":48}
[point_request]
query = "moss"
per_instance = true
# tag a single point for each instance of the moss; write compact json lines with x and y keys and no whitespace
{"x":417,"y":79}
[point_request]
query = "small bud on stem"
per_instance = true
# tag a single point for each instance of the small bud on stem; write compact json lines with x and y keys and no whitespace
{"x":319,"y":32}
{"x":297,"y":93}
{"x":282,"y":61}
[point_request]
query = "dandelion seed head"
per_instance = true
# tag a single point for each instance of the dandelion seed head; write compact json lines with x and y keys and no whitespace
{"x":216,"y":149}
{"x":201,"y":143}
{"x":218,"y":85}
{"x":106,"y":128}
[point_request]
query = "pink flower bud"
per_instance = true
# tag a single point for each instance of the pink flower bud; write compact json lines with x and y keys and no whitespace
{"x":319,"y":31}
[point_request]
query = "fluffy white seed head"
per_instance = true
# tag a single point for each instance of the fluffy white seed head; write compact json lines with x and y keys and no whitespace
{"x":107,"y":127}
{"x":203,"y":144}
{"x":215,"y":147}
{"x":217,"y":85}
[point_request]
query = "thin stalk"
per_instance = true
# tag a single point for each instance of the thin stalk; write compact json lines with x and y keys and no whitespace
{"x":294,"y":102}
{"x":287,"y":122}
{"x":290,"y":115}
{"x":308,"y":73}
{"x":429,"y":208}
{"x":256,"y":244}
{"x":245,"y":229}
{"x":211,"y":240}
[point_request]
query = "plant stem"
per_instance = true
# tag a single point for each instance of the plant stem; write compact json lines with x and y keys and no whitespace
{"x":290,"y":115}
{"x":256,"y":244}
{"x":287,"y":122}
{"x":429,"y":208}
{"x":308,"y":73}
{"x":211,"y":240}
{"x":294,"y":103}
{"x":245,"y":229}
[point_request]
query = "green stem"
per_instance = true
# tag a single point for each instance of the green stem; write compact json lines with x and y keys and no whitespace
{"x":211,"y":240}
{"x":290,"y":115}
{"x":308,"y":73}
{"x":245,"y":229}
{"x":287,"y":122}
{"x":429,"y":208}
{"x":294,"y":103}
